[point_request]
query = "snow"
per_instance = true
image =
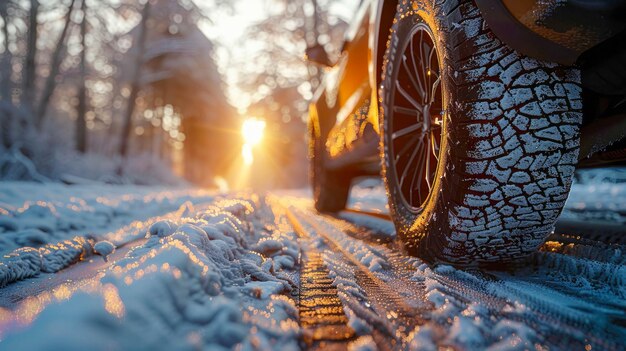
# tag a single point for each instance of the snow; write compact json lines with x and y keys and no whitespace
{"x":185,"y":269}
{"x":190,"y":283}
{"x":368,"y":194}
{"x":493,"y":310}
{"x":163,"y":228}
{"x":52,"y":212}
{"x":104,"y":248}
{"x":363,"y":343}
{"x":598,"y":194}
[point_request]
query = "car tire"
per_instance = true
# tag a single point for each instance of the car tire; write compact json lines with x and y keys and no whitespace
{"x":509,"y":140}
{"x":330,"y":188}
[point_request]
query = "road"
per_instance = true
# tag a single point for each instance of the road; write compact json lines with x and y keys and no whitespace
{"x":567,"y":296}
{"x":249,"y":271}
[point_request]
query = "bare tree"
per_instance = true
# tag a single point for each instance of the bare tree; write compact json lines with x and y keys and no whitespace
{"x":81,"y":124}
{"x":282,"y":50}
{"x":5,"y":71}
{"x":135,"y":84}
{"x":54,"y":68}
{"x":315,"y":74}
{"x":5,"y":79}
{"x":90,"y":66}
{"x":28,"y":78}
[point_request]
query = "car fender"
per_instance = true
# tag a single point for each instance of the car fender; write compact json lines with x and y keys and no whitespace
{"x":554,"y":31}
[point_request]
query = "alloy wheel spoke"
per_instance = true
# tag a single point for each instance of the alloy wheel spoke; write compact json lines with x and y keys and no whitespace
{"x":404,"y":131}
{"x":408,"y":165}
{"x":416,"y":175}
{"x":422,"y":83}
{"x":428,"y":172}
{"x":406,"y":147}
{"x":417,"y":85}
{"x":425,"y":65}
{"x":421,"y":167}
{"x":435,"y":146}
{"x":430,"y":56}
{"x":408,"y":96}
{"x":407,"y":111}
{"x":416,"y":137}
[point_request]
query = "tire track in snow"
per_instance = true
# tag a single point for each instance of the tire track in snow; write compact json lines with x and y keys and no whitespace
{"x":383,"y":304}
{"x":548,"y":303}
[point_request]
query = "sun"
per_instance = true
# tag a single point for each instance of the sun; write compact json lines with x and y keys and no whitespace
{"x":252,"y":131}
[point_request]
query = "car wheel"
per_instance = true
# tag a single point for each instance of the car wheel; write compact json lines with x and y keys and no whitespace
{"x":479,"y":143}
{"x":330,"y":188}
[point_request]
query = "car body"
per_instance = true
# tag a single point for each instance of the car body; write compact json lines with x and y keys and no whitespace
{"x":587,"y":38}
{"x":353,"y":80}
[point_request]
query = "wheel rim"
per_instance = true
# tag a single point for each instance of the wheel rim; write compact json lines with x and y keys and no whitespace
{"x":415,"y":119}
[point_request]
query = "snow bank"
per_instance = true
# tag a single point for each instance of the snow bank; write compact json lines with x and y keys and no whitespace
{"x":59,"y":211}
{"x":47,"y":227}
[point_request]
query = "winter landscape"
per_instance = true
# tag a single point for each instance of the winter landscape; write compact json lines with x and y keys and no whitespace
{"x":126,"y":267}
{"x":160,"y":190}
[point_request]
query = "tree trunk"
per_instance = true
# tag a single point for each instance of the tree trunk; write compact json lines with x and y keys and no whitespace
{"x":316,"y":18}
{"x":7,"y":56}
{"x":28,"y":78}
{"x":54,"y":68}
{"x":135,"y":85}
{"x":5,"y":79}
{"x":81,"y":124}
{"x":315,"y":74}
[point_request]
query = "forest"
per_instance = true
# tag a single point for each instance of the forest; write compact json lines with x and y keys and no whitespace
{"x":124,"y":91}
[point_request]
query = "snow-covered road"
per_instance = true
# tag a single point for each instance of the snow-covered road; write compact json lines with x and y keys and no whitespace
{"x":111,"y":268}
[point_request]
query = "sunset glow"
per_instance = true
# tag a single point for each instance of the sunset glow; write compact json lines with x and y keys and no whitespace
{"x":252,"y":131}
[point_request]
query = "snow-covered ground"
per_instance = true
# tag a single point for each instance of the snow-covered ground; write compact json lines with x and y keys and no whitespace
{"x":33,"y":214}
{"x":123,"y":267}
{"x":564,"y":297}
{"x":208,"y":274}
{"x":597,"y":194}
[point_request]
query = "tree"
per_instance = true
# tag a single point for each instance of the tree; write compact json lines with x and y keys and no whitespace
{"x":81,"y":122}
{"x":5,"y":71}
{"x":66,"y":85}
{"x":28,"y":80}
{"x":135,"y":84}
{"x":180,"y":82}
{"x":53,"y":68}
{"x":5,"y":79}
{"x":284,"y":36}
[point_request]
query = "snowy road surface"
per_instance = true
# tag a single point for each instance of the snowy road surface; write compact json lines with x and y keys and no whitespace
{"x":111,"y":268}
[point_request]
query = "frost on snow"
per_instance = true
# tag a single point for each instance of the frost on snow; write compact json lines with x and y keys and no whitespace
{"x":211,"y":279}
{"x":104,"y":248}
{"x":199,"y":272}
